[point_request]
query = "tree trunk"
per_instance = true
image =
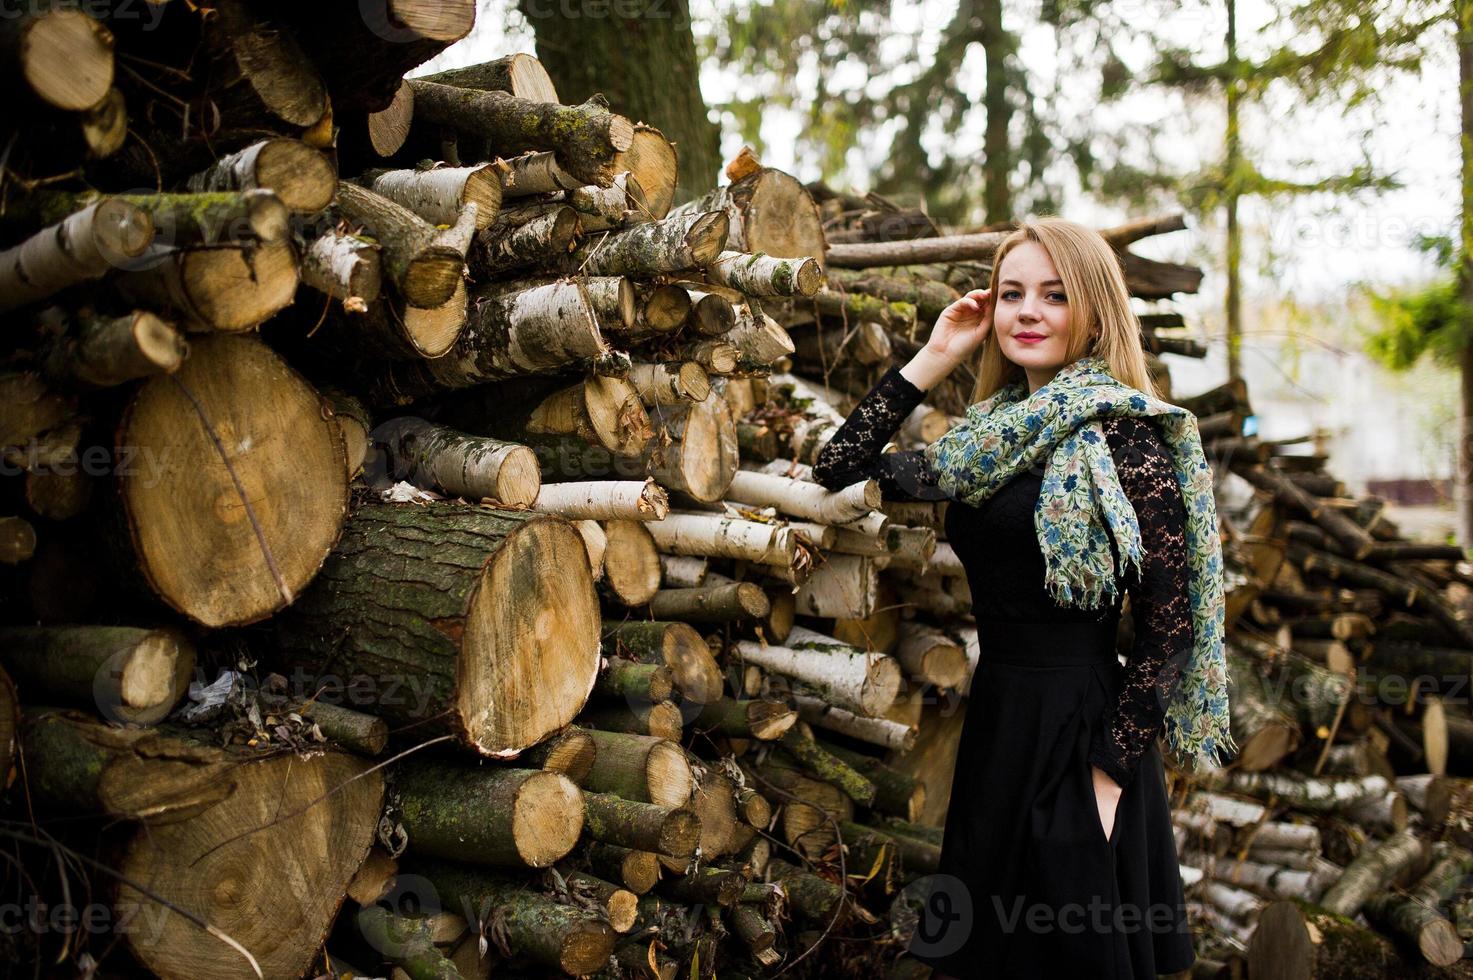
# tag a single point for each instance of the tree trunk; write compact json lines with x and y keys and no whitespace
{"x":645,"y":61}
{"x":86,"y":245}
{"x":485,"y":621}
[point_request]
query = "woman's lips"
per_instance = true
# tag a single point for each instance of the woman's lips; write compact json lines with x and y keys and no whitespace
{"x":1027,"y":338}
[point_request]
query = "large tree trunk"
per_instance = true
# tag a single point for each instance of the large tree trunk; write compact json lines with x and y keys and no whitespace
{"x":484,"y":621}
{"x":644,"y":60}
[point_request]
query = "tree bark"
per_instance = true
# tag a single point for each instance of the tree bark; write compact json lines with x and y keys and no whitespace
{"x":417,"y":605}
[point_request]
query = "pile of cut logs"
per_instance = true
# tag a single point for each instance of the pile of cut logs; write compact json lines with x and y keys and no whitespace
{"x":409,"y":562}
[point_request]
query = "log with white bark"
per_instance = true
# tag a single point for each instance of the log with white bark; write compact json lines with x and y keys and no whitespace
{"x":766,"y":275}
{"x":713,"y":535}
{"x":715,"y":356}
{"x":602,"y":208}
{"x":301,"y":175}
{"x":771,"y":212}
{"x":458,"y":648}
{"x":459,"y":464}
{"x":670,"y":383}
{"x":841,"y":587}
{"x":631,"y":500}
{"x":803,"y":498}
{"x":683,"y":571}
{"x":505,"y":247}
{"x":438,"y":194}
{"x":584,"y":137}
{"x":543,"y":330}
{"x":197,"y":218}
{"x":863,"y":682}
{"x":534,"y":173}
{"x":85,"y":245}
{"x":876,"y":731}
{"x":1373,"y":871}
{"x":701,"y":456}
{"x":424,"y":271}
{"x":669,"y":245}
{"x":1414,"y":916}
{"x":229,"y":289}
{"x":596,"y":542}
{"x":345,"y":267}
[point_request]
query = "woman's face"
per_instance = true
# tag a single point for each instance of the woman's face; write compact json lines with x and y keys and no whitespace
{"x":1031,"y":313}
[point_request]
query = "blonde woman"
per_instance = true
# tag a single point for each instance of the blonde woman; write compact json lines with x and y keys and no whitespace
{"x":1071,"y":484}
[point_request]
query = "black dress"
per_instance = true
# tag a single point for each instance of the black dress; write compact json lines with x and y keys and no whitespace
{"x":1030,"y":885}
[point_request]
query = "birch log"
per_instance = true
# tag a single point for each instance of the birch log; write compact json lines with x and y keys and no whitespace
{"x":449,"y":461}
{"x":865,"y":683}
{"x":631,"y":500}
{"x":301,"y":175}
{"x":438,"y":194}
{"x":84,"y":246}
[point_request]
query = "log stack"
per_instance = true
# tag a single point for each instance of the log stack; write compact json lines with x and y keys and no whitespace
{"x":411,"y":564}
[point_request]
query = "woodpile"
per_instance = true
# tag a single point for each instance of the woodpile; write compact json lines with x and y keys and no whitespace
{"x":411,"y":564}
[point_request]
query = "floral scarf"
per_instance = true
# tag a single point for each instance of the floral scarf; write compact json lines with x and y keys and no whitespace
{"x":1011,"y":431}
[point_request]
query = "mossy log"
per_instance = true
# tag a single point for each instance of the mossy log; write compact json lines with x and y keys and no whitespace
{"x":94,"y":350}
{"x":484,"y":621}
{"x":728,"y":603}
{"x":129,"y":675}
{"x":669,"y":245}
{"x":642,"y":768}
{"x":302,"y":177}
{"x":1414,"y":916}
{"x":555,"y":936}
{"x":676,"y":645}
{"x":760,"y":718}
{"x":519,"y":818}
{"x":584,"y":137}
{"x":1297,"y":940}
{"x":612,"y":819}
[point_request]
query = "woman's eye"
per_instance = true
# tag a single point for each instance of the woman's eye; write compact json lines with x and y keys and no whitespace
{"x":1057,"y":297}
{"x":1010,"y":294}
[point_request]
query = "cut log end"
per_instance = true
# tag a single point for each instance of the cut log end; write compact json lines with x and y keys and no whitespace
{"x":66,"y":58}
{"x":548,"y":818}
{"x":533,"y":629}
{"x":519,"y":479}
{"x":442,"y":20}
{"x":301,"y":175}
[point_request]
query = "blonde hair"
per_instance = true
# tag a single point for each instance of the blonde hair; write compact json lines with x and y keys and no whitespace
{"x":1098,"y":300}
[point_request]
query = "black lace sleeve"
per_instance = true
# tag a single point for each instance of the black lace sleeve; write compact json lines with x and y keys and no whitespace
{"x":854,"y":453}
{"x":1159,"y":601}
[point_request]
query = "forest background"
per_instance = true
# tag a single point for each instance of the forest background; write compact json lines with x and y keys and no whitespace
{"x":1321,"y":151}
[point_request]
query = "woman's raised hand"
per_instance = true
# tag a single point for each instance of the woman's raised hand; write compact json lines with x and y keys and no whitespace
{"x":962,"y":326}
{"x":959,"y":331}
